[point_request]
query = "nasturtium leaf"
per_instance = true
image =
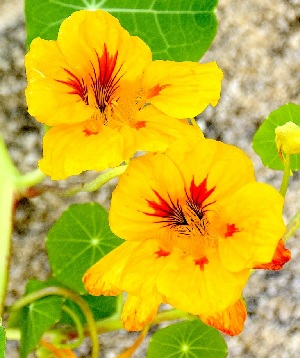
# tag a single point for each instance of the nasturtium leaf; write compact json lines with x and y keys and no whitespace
{"x":177,"y":30}
{"x":187,"y":339}
{"x":2,"y":341}
{"x":101,"y":306}
{"x":78,"y":240}
{"x":37,"y":318}
{"x":264,"y":139}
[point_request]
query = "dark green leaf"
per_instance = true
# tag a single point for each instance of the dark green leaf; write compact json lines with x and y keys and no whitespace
{"x":189,"y":339}
{"x":264,"y":139}
{"x":38,"y":317}
{"x":102,"y":307}
{"x":174,"y":29}
{"x":2,"y":342}
{"x":78,"y":240}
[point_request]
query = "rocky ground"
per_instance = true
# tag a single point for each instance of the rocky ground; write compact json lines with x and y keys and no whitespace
{"x":258,"y":48}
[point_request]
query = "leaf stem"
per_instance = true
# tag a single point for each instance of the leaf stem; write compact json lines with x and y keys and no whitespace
{"x":28,"y":180}
{"x":292,"y":226}
{"x":79,"y":328}
{"x":59,"y":291}
{"x":286,"y":175}
{"x":98,"y":182}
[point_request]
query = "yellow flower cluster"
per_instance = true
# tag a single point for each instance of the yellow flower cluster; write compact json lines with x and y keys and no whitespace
{"x":193,"y":217}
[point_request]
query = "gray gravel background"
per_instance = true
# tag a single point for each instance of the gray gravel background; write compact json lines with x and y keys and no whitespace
{"x":258,"y":48}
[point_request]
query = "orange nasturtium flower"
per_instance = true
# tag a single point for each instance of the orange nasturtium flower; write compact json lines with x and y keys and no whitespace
{"x":195,"y":223}
{"x":104,"y":97}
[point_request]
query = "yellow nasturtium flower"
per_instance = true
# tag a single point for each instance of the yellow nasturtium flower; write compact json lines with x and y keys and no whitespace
{"x":195,"y":223}
{"x":104,"y":97}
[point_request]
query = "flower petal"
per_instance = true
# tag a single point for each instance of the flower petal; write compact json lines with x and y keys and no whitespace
{"x":200,"y":290}
{"x":137,"y":312}
{"x":230,"y":321}
{"x":199,"y":159}
{"x":132,"y":201}
{"x":281,"y":256}
{"x":159,"y":130}
{"x":48,"y":98}
{"x":256,"y":212}
{"x":69,"y":150}
{"x":103,"y":278}
{"x":182,"y":89}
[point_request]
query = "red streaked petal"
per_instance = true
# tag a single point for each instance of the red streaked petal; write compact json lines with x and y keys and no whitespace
{"x":281,"y":257}
{"x":230,"y":321}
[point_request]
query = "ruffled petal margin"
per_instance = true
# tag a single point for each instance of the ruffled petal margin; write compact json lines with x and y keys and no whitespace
{"x":230,"y":321}
{"x":281,"y":256}
{"x":182,"y":89}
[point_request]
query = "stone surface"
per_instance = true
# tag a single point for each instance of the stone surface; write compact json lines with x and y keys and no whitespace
{"x":258,"y":48}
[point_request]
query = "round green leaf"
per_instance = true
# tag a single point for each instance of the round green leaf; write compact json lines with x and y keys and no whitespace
{"x":175,"y":29}
{"x":78,"y":240}
{"x":264,"y":139}
{"x":37,"y":318}
{"x":187,"y":339}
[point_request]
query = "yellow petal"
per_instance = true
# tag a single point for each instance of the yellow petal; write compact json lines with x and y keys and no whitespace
{"x":131,"y":214}
{"x":103,"y":278}
{"x":157,"y":130}
{"x":182,"y":89}
{"x":256,"y":212}
{"x":68,"y":150}
{"x":200,"y":290}
{"x":48,"y":98}
{"x":230,"y":321}
{"x":227,"y":168}
{"x":137,"y":312}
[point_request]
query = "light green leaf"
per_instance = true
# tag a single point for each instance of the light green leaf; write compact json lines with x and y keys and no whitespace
{"x":174,"y":29}
{"x":189,"y":339}
{"x":78,"y":240}
{"x":37,"y":318}
{"x":264,"y":139}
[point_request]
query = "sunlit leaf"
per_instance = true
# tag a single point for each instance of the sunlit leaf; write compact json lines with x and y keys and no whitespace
{"x":264,"y":139}
{"x":37,"y":318}
{"x":187,"y":339}
{"x":78,"y":240}
{"x":174,"y":29}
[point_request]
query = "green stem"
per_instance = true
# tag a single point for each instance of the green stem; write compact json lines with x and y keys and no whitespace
{"x":79,"y":328}
{"x":286,"y":175}
{"x":28,"y":180}
{"x":58,"y":291}
{"x":98,"y":182}
{"x":292,"y":226}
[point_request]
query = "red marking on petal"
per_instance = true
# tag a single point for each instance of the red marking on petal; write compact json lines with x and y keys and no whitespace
{"x":77,"y":85}
{"x":171,"y":213}
{"x":88,"y":132}
{"x":231,"y":229}
{"x":154,"y":91}
{"x":201,"y":262}
{"x":161,"y":209}
{"x":162,"y":253}
{"x":105,"y":81}
{"x":199,"y":193}
{"x":280,"y":257}
{"x":139,"y":124}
